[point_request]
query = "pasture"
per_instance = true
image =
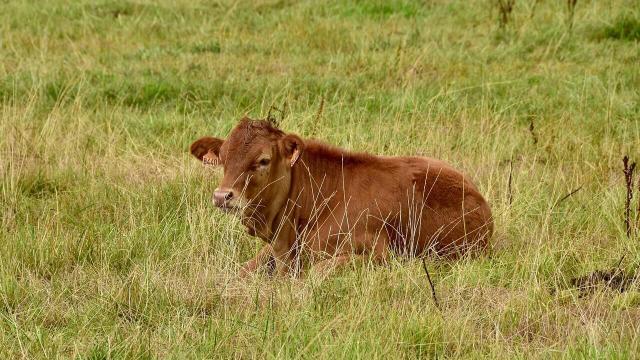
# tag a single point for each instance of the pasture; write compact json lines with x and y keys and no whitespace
{"x":110,"y":246}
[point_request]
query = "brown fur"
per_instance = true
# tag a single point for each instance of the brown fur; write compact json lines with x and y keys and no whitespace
{"x":327,"y":205}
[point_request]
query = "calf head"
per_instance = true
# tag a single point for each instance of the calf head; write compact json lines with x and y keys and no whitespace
{"x":257,"y":159}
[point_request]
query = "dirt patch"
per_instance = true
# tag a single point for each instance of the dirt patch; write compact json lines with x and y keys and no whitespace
{"x":615,"y":279}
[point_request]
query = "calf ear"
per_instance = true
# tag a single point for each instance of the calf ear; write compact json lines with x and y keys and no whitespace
{"x":207,"y":149}
{"x":292,"y":146}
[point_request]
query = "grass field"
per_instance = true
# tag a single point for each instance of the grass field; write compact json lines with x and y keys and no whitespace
{"x":110,"y":247}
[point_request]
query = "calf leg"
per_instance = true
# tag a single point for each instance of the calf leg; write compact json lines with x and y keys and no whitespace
{"x":325,"y":267}
{"x":379,"y":254}
{"x":285,"y":260}
{"x":264,"y":258}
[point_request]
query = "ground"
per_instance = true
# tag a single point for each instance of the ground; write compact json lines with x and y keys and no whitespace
{"x":110,"y":246}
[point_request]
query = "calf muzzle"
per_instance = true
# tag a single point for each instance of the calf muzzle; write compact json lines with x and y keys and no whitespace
{"x":222,"y":198}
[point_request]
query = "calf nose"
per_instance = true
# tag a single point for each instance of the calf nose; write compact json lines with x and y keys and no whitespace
{"x":221,"y":198}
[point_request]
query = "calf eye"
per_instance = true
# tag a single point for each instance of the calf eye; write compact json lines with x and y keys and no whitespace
{"x":264,"y":162}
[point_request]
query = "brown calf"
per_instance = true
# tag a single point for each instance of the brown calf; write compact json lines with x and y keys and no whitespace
{"x":306,"y":198}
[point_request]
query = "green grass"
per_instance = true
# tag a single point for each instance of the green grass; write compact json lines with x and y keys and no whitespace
{"x":109,"y":244}
{"x":624,"y":28}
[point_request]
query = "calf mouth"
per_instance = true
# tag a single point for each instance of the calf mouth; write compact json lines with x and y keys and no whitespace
{"x":228,"y":208}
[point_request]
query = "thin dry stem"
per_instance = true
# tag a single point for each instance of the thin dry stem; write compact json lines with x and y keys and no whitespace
{"x":628,"y":176}
{"x":433,"y":289}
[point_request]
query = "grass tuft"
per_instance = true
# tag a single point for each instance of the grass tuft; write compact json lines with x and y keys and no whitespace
{"x":623,"y":28}
{"x":211,"y":47}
